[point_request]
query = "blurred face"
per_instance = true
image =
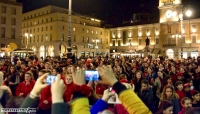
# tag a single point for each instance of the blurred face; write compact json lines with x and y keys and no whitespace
{"x":180,"y":87}
{"x":188,"y":103}
{"x":168,"y":92}
{"x":149,"y":70}
{"x":30,"y":64}
{"x":68,"y":79}
{"x":54,"y":72}
{"x":144,"y":86}
{"x":173,"y":68}
{"x":118,"y":68}
{"x":27,"y":77}
{"x":187,"y":89}
{"x":69,"y":70}
{"x":40,"y":74}
{"x":191,"y":83}
{"x":190,"y":66}
{"x":47,"y":66}
{"x":169,"y":80}
{"x":182,"y":70}
{"x":168,"y":110}
{"x":12,"y":69}
{"x":179,"y":77}
{"x":138,"y":75}
{"x":196,"y":97}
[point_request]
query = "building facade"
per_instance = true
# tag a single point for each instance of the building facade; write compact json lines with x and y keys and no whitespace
{"x":46,"y":32}
{"x":10,"y":26}
{"x":172,"y":36}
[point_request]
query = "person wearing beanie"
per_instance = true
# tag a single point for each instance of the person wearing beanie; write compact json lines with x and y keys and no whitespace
{"x":180,"y":77}
{"x":180,"y":91}
{"x":196,"y":99}
{"x":187,"y":90}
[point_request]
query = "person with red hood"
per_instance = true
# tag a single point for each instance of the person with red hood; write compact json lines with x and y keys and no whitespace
{"x":25,"y":87}
{"x":69,"y":88}
{"x":179,"y":77}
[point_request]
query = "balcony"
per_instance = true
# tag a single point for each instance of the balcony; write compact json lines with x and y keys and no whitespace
{"x":169,"y":45}
{"x":168,"y":3}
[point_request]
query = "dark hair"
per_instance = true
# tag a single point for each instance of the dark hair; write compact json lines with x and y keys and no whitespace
{"x":163,"y":106}
{"x":57,"y":69}
{"x":192,"y":110}
{"x":45,"y":71}
{"x":184,"y":99}
{"x":178,"y":83}
{"x":145,"y":82}
{"x":195,"y":93}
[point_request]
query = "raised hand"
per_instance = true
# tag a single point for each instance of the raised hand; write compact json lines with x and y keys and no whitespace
{"x":107,"y":95}
{"x":58,"y":88}
{"x":107,"y":76}
{"x":39,"y":85}
{"x":78,"y":76}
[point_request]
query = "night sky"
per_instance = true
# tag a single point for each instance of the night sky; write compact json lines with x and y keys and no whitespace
{"x":112,"y":11}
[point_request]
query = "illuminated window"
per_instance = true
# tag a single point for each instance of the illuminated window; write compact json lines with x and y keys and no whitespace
{"x":183,"y":39}
{"x":193,"y":28}
{"x":194,"y":39}
{"x":74,"y":29}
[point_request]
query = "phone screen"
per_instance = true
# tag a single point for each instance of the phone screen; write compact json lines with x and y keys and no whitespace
{"x":50,"y":79}
{"x":91,"y":75}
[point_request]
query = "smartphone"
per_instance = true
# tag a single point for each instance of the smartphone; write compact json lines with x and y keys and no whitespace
{"x":91,"y":75}
{"x":50,"y":79}
{"x":110,"y":89}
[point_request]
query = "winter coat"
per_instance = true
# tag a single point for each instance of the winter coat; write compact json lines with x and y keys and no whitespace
{"x":23,"y":88}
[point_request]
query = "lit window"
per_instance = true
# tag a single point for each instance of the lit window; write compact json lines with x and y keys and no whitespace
{"x":74,"y":29}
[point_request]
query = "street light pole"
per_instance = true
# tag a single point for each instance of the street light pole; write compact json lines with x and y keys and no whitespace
{"x":96,"y":41}
{"x":69,"y":49}
{"x":27,"y":37}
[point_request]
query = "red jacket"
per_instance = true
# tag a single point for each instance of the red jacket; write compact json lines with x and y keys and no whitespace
{"x":119,"y":108}
{"x":69,"y":92}
{"x":181,"y":94}
{"x":100,"y":89}
{"x":45,"y":95}
{"x":23,"y":88}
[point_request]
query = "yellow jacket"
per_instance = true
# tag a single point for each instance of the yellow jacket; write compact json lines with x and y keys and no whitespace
{"x":133,"y":103}
{"x":80,"y":106}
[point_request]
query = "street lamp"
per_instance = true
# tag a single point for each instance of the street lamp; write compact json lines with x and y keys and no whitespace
{"x":130,"y":47}
{"x":69,"y":49}
{"x":27,"y":35}
{"x":184,"y":11}
{"x":96,"y":41}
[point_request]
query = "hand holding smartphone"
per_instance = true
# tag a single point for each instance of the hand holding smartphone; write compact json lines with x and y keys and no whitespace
{"x":50,"y":79}
{"x":113,"y":99}
{"x":91,"y":75}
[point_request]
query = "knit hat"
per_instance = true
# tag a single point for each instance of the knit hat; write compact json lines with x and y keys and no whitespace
{"x":186,"y":85}
{"x":195,"y":92}
{"x":179,"y":74}
{"x":154,"y":75}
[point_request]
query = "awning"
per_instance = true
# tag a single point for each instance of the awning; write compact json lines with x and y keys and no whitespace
{"x":192,"y":49}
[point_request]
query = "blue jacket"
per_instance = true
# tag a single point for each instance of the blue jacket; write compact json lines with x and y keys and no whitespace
{"x":99,"y":106}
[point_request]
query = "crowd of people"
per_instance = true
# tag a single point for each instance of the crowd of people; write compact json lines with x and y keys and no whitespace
{"x":142,"y":85}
